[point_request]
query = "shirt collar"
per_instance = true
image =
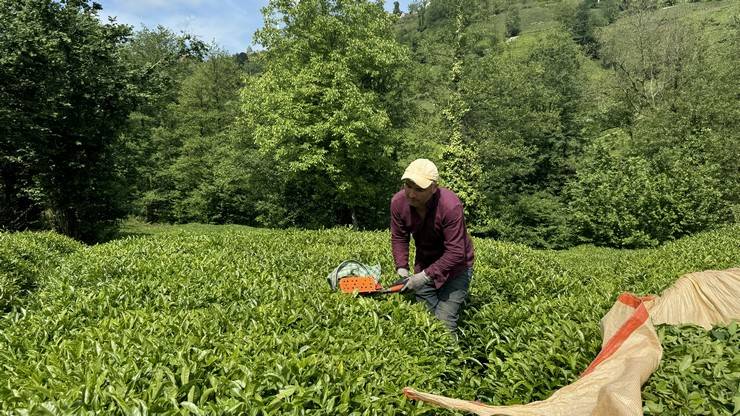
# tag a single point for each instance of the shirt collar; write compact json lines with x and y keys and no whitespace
{"x":433,"y":200}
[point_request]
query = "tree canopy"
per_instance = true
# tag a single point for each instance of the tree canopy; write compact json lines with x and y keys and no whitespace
{"x":323,"y":112}
{"x":64,"y":95}
{"x":611,"y":123}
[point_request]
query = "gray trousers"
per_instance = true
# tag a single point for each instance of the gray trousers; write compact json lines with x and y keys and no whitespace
{"x":445,"y":302}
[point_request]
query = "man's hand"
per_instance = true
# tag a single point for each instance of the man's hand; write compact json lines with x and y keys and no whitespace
{"x":416,"y":282}
{"x":404,"y":273}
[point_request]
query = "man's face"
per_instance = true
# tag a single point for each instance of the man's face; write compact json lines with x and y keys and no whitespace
{"x":417,"y":196}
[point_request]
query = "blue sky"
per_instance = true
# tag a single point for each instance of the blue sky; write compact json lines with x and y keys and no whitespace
{"x":230,"y":23}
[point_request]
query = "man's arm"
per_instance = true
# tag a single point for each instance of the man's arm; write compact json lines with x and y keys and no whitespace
{"x":400,"y":239}
{"x":453,"y":229}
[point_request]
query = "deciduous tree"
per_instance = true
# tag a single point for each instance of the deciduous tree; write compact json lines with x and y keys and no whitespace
{"x":324,"y":110}
{"x":65,"y":93}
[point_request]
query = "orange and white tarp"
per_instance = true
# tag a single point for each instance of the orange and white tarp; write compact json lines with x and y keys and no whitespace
{"x":631,"y":351}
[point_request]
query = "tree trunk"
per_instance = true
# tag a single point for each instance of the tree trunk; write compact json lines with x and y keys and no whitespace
{"x":64,"y":221}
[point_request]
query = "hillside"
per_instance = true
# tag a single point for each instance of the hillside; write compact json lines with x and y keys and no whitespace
{"x":546,"y":132}
{"x":557,"y":124}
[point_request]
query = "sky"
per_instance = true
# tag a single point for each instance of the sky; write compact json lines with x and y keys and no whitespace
{"x":228,"y":23}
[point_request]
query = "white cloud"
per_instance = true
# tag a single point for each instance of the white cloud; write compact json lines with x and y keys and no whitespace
{"x":154,"y":6}
{"x":228,"y":23}
{"x":232,"y":35}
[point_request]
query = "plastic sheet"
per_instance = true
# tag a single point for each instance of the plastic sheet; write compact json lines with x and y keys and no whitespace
{"x":631,"y":351}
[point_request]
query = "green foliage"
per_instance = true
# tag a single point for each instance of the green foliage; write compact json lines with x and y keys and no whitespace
{"x":445,"y":12}
{"x":458,"y":160}
{"x":236,"y":320}
{"x":698,"y":118}
{"x":223,"y":322}
{"x":163,"y":61}
{"x":673,"y":171}
{"x":333,"y":108}
{"x":200,"y":179}
{"x":699,"y":376}
{"x":624,"y":200}
{"x":583,"y":28}
{"x":397,"y":8}
{"x":26,"y":259}
{"x":523,"y":121}
{"x":513,"y":22}
{"x":540,"y":219}
{"x":610,"y":10}
{"x":323,"y":114}
{"x":65,"y":93}
{"x":462,"y":172}
{"x":654,"y":54}
{"x":532,"y":322}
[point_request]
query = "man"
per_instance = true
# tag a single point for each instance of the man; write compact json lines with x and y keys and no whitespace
{"x":443,"y":266}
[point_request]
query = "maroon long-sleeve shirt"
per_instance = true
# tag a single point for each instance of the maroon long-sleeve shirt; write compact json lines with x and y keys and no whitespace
{"x":443,"y":247}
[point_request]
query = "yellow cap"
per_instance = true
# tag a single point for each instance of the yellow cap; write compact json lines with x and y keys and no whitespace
{"x":422,"y":172}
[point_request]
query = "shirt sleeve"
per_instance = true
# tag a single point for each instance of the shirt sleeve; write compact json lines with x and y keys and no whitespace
{"x":453,"y":230}
{"x":400,"y":239}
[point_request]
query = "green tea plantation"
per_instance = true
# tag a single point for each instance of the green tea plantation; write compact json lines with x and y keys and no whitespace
{"x":234,"y":320}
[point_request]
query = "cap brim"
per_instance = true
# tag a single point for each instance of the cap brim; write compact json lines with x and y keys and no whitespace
{"x":421,"y":182}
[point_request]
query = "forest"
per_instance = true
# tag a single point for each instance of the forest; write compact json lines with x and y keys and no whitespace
{"x":558,"y":123}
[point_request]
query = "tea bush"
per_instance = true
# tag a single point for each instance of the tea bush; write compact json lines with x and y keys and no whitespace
{"x":700,"y":374}
{"x":24,"y":258}
{"x":533,"y":319}
{"x":218,"y":323}
{"x":228,"y":320}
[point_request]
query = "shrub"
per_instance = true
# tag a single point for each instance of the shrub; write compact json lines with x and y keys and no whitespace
{"x":513,"y":22}
{"x":25,"y":258}
{"x":625,"y":200}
